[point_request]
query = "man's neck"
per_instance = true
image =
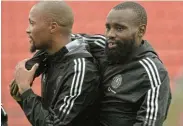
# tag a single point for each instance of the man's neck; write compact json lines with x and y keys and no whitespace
{"x":139,"y":42}
{"x":57,"y":44}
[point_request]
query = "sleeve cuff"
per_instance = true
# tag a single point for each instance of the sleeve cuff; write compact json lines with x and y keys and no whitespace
{"x":27,"y":93}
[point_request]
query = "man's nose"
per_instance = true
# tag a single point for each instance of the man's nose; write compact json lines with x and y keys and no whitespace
{"x":28,"y":30}
{"x":110,"y":34}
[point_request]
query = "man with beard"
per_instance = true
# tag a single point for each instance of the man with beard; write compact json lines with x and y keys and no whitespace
{"x":70,"y":78}
{"x":136,"y":90}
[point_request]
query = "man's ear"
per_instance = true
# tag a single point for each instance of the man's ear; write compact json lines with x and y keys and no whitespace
{"x":54,"y":27}
{"x":142,"y":30}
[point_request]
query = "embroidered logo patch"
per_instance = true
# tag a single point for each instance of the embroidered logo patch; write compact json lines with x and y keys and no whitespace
{"x":117,"y":81}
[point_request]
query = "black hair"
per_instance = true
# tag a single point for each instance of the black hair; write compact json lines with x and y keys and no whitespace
{"x":137,"y":8}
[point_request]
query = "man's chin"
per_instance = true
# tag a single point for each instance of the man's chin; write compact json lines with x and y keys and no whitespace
{"x":112,"y":55}
{"x":33,"y":49}
{"x":116,"y":56}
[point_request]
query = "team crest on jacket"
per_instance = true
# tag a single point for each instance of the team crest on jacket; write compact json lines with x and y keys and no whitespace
{"x":117,"y":81}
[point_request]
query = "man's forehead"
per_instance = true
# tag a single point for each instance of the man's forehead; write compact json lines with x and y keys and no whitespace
{"x":121,"y":16}
{"x":35,"y":13}
{"x":32,"y":12}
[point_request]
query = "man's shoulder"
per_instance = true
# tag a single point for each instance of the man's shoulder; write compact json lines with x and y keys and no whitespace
{"x":77,"y":49}
{"x":95,"y":41}
{"x":80,"y":61}
{"x":153,"y":66}
{"x":148,"y":72}
{"x":143,"y":72}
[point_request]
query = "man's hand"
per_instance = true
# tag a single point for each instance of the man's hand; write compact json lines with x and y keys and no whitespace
{"x":24,"y":77}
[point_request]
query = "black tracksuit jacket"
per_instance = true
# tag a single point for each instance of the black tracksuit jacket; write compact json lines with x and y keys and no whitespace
{"x":69,"y":90}
{"x":136,"y":93}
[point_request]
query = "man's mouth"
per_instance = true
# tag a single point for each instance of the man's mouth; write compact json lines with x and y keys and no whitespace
{"x":111,"y":44}
{"x":30,"y":40}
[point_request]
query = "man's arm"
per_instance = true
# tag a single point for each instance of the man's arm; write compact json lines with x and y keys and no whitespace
{"x":78,"y":93}
{"x":155,"y":103}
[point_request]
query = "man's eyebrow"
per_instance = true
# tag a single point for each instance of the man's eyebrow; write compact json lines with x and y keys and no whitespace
{"x":120,"y":24}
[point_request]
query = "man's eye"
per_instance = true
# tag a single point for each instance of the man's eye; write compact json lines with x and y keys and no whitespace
{"x":119,"y":28}
{"x":31,"y":22}
{"x":107,"y":28}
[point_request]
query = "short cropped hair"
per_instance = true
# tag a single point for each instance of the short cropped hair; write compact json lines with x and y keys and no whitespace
{"x":59,"y":12}
{"x":137,"y":8}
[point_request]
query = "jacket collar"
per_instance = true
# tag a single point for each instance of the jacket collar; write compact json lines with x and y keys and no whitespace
{"x":56,"y":57}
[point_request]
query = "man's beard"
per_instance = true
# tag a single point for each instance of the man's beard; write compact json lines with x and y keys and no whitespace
{"x":33,"y":48}
{"x":122,"y":51}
